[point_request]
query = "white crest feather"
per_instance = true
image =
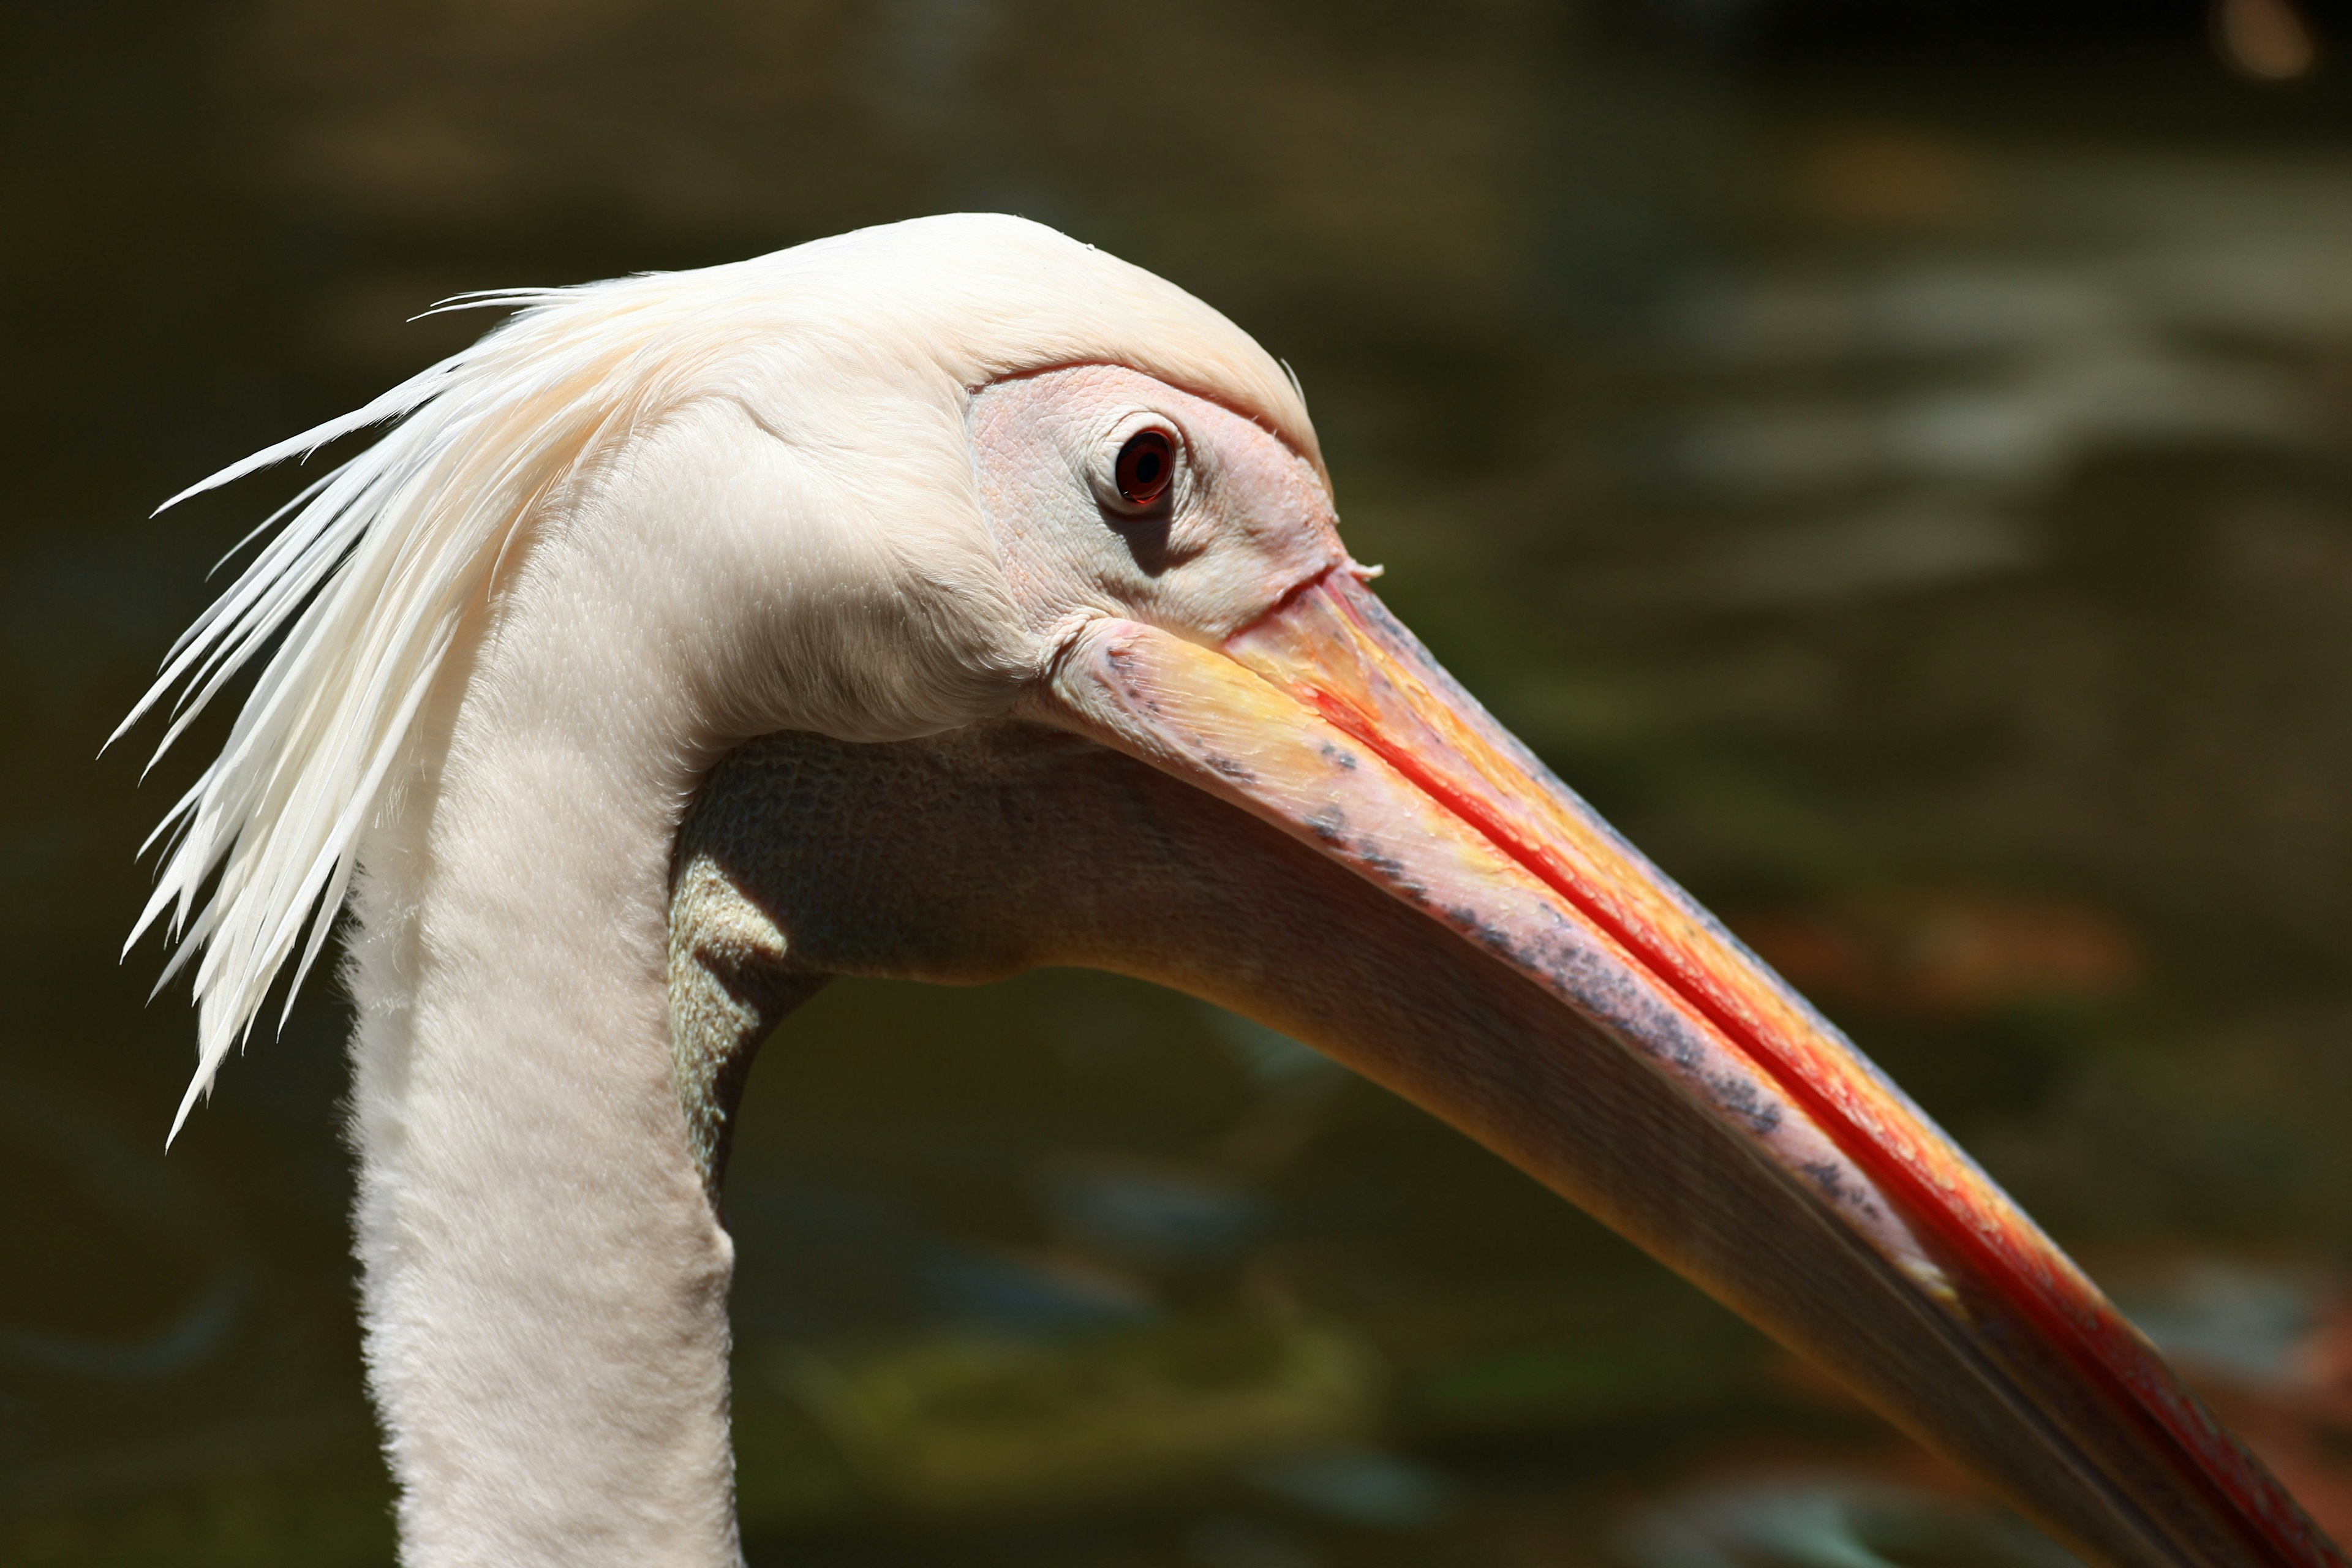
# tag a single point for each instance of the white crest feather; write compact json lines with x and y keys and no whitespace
{"x":375,"y":567}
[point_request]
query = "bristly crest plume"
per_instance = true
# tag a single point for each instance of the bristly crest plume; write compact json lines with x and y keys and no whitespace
{"x":379,"y":562}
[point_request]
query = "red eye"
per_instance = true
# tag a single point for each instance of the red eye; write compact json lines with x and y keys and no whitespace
{"x":1146,"y":464}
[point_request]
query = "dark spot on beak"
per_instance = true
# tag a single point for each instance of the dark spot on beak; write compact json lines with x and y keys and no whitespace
{"x":1827,"y":1177}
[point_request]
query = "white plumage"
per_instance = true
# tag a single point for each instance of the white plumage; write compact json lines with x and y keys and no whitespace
{"x":381,"y":560}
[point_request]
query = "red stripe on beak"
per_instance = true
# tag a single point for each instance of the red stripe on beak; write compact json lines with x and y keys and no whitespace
{"x":1387,"y":692}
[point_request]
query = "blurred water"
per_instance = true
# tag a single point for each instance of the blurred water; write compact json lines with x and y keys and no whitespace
{"x":1902,"y":485}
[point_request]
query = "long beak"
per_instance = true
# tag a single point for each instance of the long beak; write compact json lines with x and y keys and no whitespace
{"x":1884,"y":1253}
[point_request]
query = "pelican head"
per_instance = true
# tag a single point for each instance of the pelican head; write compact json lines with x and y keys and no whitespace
{"x":938,"y":601}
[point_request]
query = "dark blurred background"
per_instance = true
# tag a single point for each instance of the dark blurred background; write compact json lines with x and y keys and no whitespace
{"x":1891,"y":457}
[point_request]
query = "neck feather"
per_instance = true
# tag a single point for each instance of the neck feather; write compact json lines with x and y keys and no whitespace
{"x":545,"y":1275}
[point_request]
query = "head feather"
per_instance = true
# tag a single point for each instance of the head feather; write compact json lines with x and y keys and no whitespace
{"x":375,"y":567}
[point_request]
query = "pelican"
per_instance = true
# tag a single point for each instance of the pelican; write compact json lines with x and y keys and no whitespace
{"x":937,"y":601}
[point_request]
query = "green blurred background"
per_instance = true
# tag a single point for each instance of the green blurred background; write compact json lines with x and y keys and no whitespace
{"x":1891,"y":457}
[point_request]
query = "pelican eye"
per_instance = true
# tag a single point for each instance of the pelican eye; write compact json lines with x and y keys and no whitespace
{"x":1146,"y":464}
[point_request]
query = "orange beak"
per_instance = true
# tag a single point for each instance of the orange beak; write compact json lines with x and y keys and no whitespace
{"x":1890,"y":1259}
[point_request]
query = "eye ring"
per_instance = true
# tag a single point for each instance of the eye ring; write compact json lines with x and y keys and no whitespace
{"x":1146,"y":467}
